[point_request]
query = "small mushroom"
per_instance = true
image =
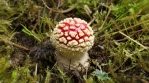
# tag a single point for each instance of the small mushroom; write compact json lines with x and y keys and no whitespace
{"x":72,"y":39}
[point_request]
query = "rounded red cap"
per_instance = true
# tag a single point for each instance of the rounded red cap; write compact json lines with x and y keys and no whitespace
{"x":73,"y":34}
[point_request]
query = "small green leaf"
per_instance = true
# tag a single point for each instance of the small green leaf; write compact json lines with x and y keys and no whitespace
{"x":101,"y":75}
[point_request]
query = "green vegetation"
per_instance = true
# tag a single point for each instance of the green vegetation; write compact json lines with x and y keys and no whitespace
{"x":120,"y":53}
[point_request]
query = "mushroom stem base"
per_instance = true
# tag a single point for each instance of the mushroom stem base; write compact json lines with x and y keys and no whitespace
{"x":80,"y":64}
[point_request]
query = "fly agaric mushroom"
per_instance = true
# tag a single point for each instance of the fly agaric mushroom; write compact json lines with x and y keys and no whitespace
{"x":72,"y":38}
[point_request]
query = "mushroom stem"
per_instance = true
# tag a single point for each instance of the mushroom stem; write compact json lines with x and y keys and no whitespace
{"x":78,"y":62}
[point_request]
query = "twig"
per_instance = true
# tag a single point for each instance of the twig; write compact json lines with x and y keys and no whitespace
{"x":46,"y":5}
{"x":61,"y":11}
{"x":134,"y":40}
{"x":11,"y":43}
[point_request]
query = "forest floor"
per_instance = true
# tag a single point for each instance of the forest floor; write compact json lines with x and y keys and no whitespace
{"x":120,"y":53}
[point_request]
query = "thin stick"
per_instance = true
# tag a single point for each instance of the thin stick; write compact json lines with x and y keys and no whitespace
{"x":61,"y":11}
{"x":11,"y":43}
{"x":134,"y":40}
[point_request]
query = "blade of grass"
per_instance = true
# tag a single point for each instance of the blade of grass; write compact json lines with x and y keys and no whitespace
{"x":25,"y":30}
{"x":125,"y":29}
{"x":41,"y":23}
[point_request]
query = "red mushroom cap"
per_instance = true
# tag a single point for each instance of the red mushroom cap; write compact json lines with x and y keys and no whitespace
{"x":73,"y":34}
